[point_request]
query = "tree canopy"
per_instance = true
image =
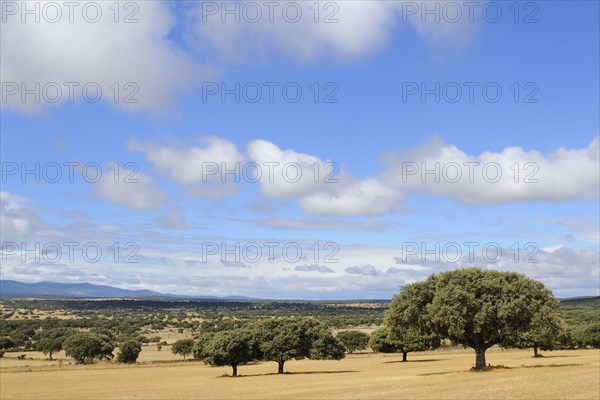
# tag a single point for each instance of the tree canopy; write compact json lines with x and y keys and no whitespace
{"x":473,"y":307}
{"x":183,"y":347}
{"x":129,"y":351}
{"x":233,"y":347}
{"x":283,"y":339}
{"x":409,"y":326}
{"x":84,"y":347}
{"x":353,"y":340}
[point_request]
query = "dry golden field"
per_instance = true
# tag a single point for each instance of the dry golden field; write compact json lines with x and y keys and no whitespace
{"x":442,"y":374}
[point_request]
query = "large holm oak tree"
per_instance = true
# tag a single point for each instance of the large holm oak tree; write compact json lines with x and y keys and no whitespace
{"x":473,"y":307}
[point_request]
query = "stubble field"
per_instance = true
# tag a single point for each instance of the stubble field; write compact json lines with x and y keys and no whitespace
{"x":441,"y":374}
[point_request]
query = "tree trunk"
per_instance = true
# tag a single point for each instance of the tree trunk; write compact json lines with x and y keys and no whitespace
{"x":404,"y":353}
{"x":535,"y":352}
{"x":50,"y":356}
{"x":280,"y":367}
{"x":480,"y":358}
{"x":234,"y":367}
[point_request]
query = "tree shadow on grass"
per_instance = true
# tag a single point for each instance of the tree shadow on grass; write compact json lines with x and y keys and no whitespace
{"x":291,"y":373}
{"x":550,"y":365}
{"x":559,"y":356}
{"x":497,"y":367}
{"x":439,"y":373}
{"x":413,"y":361}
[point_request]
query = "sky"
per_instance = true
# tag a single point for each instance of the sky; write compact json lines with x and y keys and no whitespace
{"x":299,"y":150}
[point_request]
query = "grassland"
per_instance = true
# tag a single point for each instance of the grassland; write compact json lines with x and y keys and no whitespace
{"x":442,"y":374}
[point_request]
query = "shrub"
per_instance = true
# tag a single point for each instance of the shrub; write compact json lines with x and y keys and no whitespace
{"x":129,"y":352}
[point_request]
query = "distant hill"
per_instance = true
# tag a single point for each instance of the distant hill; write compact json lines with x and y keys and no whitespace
{"x":45,"y":289}
{"x":53,"y":289}
{"x":581,"y":302}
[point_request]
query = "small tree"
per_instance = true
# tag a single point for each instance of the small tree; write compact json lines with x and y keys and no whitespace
{"x":409,"y":328}
{"x":546,"y":331}
{"x":129,"y":352}
{"x":327,"y":347}
{"x":183,"y":347}
{"x":353,"y":340}
{"x":51,"y":341}
{"x":48,"y":346}
{"x":290,"y":338}
{"x":381,"y":342}
{"x":234,"y":347}
{"x":84,"y":347}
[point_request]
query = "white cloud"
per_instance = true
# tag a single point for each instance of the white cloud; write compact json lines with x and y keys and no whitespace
{"x":138,"y":192}
{"x":17,"y":221}
{"x":354,"y":29}
{"x":202,"y":168}
{"x":290,"y":174}
{"x":330,"y":191}
{"x":511,"y":175}
{"x":104,"y":52}
{"x":323,"y":188}
{"x":367,"y":197}
{"x":361,"y":27}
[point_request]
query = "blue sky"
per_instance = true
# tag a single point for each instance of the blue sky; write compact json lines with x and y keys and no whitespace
{"x":372,"y":217}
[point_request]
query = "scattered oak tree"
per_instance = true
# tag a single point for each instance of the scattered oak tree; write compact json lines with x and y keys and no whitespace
{"x":289,"y":338}
{"x":353,"y":340}
{"x":477,"y":308}
{"x":409,"y":328}
{"x":129,"y":351}
{"x":327,"y":347}
{"x":382,"y":341}
{"x":49,"y":346}
{"x":51,"y":341}
{"x":84,"y":347}
{"x":233,"y":347}
{"x":183,"y":347}
{"x":547,"y":329}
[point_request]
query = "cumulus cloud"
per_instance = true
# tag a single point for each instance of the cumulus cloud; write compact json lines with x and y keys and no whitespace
{"x":353,"y":29}
{"x":137,"y":192}
{"x":103,"y":53}
{"x":201,"y":167}
{"x":511,"y":175}
{"x":214,"y":167}
{"x":324,"y":187}
{"x":343,"y":30}
{"x":289,"y":174}
{"x":367,"y":197}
